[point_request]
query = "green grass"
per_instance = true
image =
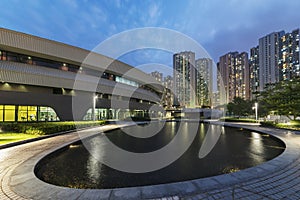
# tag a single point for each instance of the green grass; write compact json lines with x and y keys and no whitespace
{"x":293,"y":125}
{"x":14,"y":137}
{"x":233,"y":119}
{"x":13,"y":131}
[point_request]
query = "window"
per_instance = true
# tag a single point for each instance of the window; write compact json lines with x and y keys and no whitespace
{"x":9,"y":113}
{"x":1,"y":113}
{"x":47,"y":114}
{"x":57,"y":91}
{"x":27,"y":113}
{"x":32,"y":113}
{"x":22,"y":113}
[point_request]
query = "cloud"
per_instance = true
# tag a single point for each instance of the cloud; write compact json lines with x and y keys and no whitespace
{"x":220,"y":26}
{"x":154,"y":11}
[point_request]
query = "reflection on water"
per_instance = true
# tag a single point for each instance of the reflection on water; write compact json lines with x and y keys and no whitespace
{"x":256,"y":147}
{"x":92,"y":168}
{"x":235,"y":150}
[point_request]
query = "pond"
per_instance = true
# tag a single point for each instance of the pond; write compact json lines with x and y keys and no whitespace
{"x":236,"y":149}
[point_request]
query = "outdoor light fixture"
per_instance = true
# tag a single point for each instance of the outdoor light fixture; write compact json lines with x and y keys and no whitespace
{"x":95,"y":97}
{"x":256,"y":111}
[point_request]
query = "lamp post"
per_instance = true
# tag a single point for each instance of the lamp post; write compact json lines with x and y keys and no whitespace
{"x":95,"y":97}
{"x":256,"y":111}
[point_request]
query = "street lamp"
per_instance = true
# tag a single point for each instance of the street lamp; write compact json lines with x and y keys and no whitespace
{"x":256,"y":111}
{"x":95,"y":97}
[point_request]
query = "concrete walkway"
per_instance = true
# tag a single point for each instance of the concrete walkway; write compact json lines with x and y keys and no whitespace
{"x":275,"y":179}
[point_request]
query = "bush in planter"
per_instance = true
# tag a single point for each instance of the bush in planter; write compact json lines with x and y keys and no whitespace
{"x":268,"y":124}
{"x":43,"y":128}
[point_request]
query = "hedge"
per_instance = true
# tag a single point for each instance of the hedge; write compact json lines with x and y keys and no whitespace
{"x":45,"y":128}
{"x":231,"y":119}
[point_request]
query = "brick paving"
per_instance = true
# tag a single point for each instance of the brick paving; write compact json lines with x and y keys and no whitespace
{"x":275,"y":179}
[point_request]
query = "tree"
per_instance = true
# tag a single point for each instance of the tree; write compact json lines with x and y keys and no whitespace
{"x":283,"y":97}
{"x":240,"y":107}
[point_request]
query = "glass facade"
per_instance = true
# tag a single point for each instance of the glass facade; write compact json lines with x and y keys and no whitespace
{"x":100,"y":114}
{"x":126,"y":81}
{"x":104,"y":114}
{"x":47,"y":114}
{"x":11,"y":113}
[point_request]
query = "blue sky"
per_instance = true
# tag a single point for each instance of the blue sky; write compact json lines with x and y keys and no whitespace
{"x":219,"y":26}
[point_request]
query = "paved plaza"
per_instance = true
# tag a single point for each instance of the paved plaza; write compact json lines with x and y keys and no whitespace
{"x":275,"y":179}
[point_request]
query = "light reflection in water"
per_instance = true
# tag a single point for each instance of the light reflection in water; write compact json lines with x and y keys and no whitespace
{"x":223,"y":130}
{"x":202,"y":132}
{"x":256,"y":146}
{"x":93,"y":168}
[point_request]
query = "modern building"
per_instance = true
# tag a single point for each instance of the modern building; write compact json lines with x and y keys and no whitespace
{"x":204,"y":81}
{"x":215,"y":99}
{"x":45,"y":80}
{"x":157,"y":75}
{"x":288,"y":62}
{"x":268,"y":59}
{"x":254,"y":72}
{"x":233,"y":69}
{"x":168,"y":93}
{"x":184,"y":74}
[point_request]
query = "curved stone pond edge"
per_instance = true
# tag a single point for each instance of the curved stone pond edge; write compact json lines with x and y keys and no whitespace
{"x":18,"y":180}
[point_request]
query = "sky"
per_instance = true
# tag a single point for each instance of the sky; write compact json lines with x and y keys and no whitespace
{"x":219,"y":26}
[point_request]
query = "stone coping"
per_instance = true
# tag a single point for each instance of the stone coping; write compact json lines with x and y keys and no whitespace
{"x":18,"y":180}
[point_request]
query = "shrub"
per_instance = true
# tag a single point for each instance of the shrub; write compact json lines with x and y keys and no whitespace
{"x":231,"y":119}
{"x":294,"y":125}
{"x":44,"y":128}
{"x":268,"y":124}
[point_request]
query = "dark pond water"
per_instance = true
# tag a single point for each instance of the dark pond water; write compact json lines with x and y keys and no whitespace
{"x":235,"y":150}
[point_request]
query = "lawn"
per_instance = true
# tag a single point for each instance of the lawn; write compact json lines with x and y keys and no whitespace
{"x":234,"y":119}
{"x":14,"y":137}
{"x":13,"y":131}
{"x":293,"y":125}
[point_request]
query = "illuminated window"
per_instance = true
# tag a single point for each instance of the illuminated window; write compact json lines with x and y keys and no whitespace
{"x":32,"y":113}
{"x":1,"y":113}
{"x":9,"y":113}
{"x":27,"y":113}
{"x":22,"y":113}
{"x":47,"y":114}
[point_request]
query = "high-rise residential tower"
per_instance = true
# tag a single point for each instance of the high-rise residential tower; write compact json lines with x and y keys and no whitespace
{"x":289,"y":56}
{"x":233,"y":69}
{"x":268,"y":59}
{"x":204,"y":81}
{"x":184,"y":74}
{"x":157,"y":75}
{"x":254,"y":72}
{"x":168,"y":93}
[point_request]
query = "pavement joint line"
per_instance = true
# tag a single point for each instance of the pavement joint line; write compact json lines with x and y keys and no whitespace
{"x":5,"y":181}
